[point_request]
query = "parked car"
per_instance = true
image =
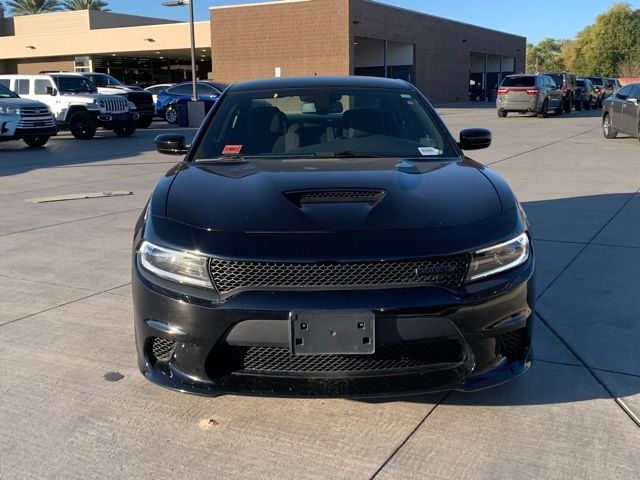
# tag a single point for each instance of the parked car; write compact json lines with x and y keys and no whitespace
{"x":291,"y":252}
{"x":23,"y":119}
{"x":168,"y":99}
{"x":611,"y":86}
{"x":566,"y":82}
{"x":529,"y":93}
{"x":155,"y":89}
{"x":142,"y":99}
{"x":76,"y":103}
{"x":621,"y":112}
{"x":599,"y":86}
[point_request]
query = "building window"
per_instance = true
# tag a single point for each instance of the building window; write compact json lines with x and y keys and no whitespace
{"x":83,"y":64}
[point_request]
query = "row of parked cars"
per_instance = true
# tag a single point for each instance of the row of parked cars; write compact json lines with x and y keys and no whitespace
{"x":168,"y":97}
{"x":560,"y":92}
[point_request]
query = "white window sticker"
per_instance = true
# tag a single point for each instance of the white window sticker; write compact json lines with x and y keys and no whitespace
{"x":429,"y":151}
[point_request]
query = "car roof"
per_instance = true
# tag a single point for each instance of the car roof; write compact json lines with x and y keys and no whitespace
{"x":311,"y":82}
{"x":41,"y":75}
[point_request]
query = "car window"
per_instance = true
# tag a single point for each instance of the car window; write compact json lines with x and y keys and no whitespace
{"x":182,"y":89}
{"x":22,"y":86}
{"x":5,"y":82}
{"x":635,"y":92}
{"x":40,"y":86}
{"x":558,"y":78}
{"x":206,"y":90}
{"x":4,"y":90}
{"x":580,"y":83}
{"x":325,"y":122}
{"x":624,"y":92}
{"x":519,"y":81}
{"x":596,"y":81}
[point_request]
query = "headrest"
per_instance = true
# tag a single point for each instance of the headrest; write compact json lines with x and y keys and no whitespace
{"x":268,"y":121}
{"x":363,"y":122}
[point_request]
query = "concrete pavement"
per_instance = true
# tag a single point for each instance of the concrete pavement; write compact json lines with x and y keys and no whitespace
{"x":73,"y":405}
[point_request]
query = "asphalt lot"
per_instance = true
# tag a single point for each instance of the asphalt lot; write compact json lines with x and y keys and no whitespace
{"x":73,"y":404}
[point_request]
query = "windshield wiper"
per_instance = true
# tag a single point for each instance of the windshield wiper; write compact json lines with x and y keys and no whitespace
{"x":350,"y":154}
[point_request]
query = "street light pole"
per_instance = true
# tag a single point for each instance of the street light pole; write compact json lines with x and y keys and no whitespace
{"x":194,"y":77}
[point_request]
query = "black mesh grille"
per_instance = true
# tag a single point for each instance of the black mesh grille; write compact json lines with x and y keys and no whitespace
{"x":161,"y":349}
{"x":229,"y":275}
{"x":514,"y":343}
{"x":140,"y":98}
{"x":335,"y":196}
{"x":228,"y":359}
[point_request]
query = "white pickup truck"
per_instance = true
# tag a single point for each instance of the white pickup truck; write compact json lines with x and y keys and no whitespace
{"x":27,"y":120}
{"x":76,"y":103}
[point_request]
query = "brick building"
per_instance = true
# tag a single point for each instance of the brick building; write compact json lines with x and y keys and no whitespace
{"x":285,"y":37}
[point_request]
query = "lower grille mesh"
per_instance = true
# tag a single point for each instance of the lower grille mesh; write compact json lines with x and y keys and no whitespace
{"x":161,"y":349}
{"x":229,"y":275}
{"x":228,"y":359}
{"x":514,"y":343}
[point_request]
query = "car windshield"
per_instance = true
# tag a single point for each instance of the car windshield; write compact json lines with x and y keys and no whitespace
{"x":72,"y":84}
{"x":6,"y":93}
{"x":104,"y":80}
{"x":557,"y":77}
{"x":324,"y":122}
{"x":596,"y":81}
{"x":581,"y":83}
{"x":519,"y":81}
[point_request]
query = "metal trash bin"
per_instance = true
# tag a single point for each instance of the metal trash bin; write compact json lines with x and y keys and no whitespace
{"x":183,"y":115}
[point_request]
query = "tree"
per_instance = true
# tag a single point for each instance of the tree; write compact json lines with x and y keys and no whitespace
{"x":548,"y":53}
{"x":29,"y":7}
{"x":85,"y":5}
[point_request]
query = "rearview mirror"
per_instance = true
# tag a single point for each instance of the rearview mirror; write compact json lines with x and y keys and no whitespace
{"x":474,"y":139}
{"x":171,"y":144}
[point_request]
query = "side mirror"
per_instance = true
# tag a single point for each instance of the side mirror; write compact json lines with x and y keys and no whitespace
{"x":474,"y":139}
{"x":51,"y":91}
{"x":632,"y":100}
{"x":170,"y":144}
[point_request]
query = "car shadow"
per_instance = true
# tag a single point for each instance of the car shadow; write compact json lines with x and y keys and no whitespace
{"x":66,"y":151}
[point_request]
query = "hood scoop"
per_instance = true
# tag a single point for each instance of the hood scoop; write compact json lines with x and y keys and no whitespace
{"x":344,"y":195}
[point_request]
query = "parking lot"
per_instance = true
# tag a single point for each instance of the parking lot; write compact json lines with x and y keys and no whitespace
{"x":73,"y":404}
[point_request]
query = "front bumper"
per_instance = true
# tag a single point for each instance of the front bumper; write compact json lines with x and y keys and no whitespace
{"x":476,"y":337}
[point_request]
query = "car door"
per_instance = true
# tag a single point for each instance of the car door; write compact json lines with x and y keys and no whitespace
{"x":630,"y":109}
{"x":555,"y":94}
{"x":43,"y":90}
{"x":617,"y":106}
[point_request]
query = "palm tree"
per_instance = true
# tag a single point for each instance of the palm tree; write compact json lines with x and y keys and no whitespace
{"x":85,"y":5}
{"x":29,"y":7}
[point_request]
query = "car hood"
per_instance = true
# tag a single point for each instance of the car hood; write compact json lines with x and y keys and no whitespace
{"x":21,"y":102}
{"x":120,"y":89}
{"x":88,"y":97}
{"x":265,"y":195}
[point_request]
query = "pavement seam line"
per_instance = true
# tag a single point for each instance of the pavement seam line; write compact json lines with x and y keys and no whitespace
{"x":589,"y":242}
{"x":11,"y":277}
{"x":623,"y":406}
{"x":68,"y":222}
{"x":61,"y":305}
{"x":403,"y":443}
{"x":543,"y":146}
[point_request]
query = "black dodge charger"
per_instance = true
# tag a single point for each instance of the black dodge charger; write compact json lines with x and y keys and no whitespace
{"x":328,"y":237}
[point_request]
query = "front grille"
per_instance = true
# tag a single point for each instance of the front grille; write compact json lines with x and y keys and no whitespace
{"x":514,"y":343}
{"x":230,"y":359}
{"x":335,"y":196}
{"x":230,"y":275}
{"x":116,"y":105}
{"x":161,"y":349}
{"x":35,"y":117}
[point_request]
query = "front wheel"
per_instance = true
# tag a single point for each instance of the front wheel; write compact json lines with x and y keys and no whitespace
{"x":607,"y":127}
{"x":36,"y":141}
{"x":125,"y":129}
{"x":145,"y":122}
{"x":82,"y":125}
{"x":502,"y":113}
{"x":171,"y":115}
{"x":560,"y":110}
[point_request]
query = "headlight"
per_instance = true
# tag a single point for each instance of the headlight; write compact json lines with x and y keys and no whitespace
{"x":132,"y":106}
{"x":10,"y":110}
{"x":498,"y":258}
{"x":181,"y":267}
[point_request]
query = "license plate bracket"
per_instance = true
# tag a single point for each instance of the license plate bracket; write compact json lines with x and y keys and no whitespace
{"x":332,"y":332}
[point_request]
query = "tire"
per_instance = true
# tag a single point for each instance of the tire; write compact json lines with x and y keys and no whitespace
{"x":171,"y":115}
{"x":125,"y":129}
{"x":502,"y":113}
{"x":578,"y":106}
{"x":35,"y":142}
{"x":544,"y":111}
{"x":587,"y":104}
{"x":599,"y":103}
{"x":568,"y":104}
{"x":607,"y":127}
{"x":560,"y":110}
{"x":82,"y":125}
{"x":145,"y":122}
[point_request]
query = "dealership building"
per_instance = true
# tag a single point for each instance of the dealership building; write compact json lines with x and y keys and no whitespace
{"x":276,"y":38}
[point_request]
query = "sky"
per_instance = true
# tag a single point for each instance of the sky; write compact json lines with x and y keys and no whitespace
{"x":532,"y":20}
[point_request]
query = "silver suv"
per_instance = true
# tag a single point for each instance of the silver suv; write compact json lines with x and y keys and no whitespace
{"x":529,"y":93}
{"x":22,"y":119}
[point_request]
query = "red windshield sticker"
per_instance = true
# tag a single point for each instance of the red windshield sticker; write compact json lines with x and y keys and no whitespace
{"x":231,"y":149}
